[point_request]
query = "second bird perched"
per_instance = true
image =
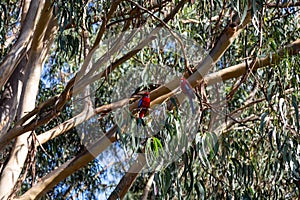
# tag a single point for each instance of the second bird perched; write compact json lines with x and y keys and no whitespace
{"x":188,"y":91}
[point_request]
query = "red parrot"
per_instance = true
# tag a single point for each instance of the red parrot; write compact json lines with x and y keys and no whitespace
{"x":143,"y":106}
{"x":188,"y":91}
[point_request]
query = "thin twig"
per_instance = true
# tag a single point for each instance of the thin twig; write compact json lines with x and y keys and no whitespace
{"x":186,"y":62}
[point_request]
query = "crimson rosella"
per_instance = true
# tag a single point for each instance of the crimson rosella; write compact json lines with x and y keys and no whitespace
{"x":188,"y":91}
{"x":143,"y":106}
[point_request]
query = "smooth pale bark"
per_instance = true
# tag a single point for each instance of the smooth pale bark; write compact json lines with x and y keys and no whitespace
{"x":226,"y":38}
{"x":210,"y":79}
{"x":18,"y":156}
{"x":10,"y":97}
{"x":47,"y":41}
{"x":128,"y":179}
{"x":84,"y":81}
{"x":63,"y":171}
{"x":63,"y":98}
{"x":240,"y":69}
{"x":148,"y":186}
{"x":69,"y":167}
{"x":22,"y":44}
{"x":78,"y":119}
{"x":25,"y":9}
{"x":13,"y":168}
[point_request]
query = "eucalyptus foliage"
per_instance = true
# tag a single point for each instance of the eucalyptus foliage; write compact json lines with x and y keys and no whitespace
{"x":256,"y":154}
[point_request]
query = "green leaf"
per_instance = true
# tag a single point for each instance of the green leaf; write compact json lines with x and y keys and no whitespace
{"x":173,"y":101}
{"x":273,"y":45}
{"x":245,"y":12}
{"x":270,"y":91}
{"x":254,"y":9}
{"x":262,"y":122}
{"x":278,"y":141}
{"x":168,"y":180}
{"x":295,"y":105}
{"x":236,"y":163}
{"x":282,"y":109}
{"x":157,"y":145}
{"x":270,"y":136}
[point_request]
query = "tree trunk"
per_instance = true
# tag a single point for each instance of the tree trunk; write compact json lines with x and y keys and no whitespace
{"x":33,"y":70}
{"x":13,"y":168}
{"x":10,"y":97}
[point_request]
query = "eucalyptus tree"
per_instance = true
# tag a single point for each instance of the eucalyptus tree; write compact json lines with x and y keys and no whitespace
{"x":72,"y":74}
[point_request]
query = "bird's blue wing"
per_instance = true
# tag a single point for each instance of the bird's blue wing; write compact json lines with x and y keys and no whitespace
{"x":140,"y":103}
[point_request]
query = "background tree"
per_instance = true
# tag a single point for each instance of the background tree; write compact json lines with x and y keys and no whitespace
{"x":60,"y":76}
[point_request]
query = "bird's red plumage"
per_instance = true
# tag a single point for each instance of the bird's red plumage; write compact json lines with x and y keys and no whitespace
{"x":144,"y":105}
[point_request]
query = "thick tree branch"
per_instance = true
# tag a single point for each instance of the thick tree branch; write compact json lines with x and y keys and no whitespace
{"x":223,"y":43}
{"x":25,"y":7}
{"x":67,"y":93}
{"x":128,"y":179}
{"x":10,"y":97}
{"x":159,"y":96}
{"x":71,"y":166}
{"x":38,"y":51}
{"x":240,"y":69}
{"x":78,"y":119}
{"x":22,"y":44}
{"x":58,"y":101}
{"x":21,"y":127}
{"x":148,"y":186}
{"x":13,"y":89}
{"x":283,"y":5}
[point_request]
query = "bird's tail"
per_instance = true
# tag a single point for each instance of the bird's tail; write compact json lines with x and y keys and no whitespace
{"x":192,"y":105}
{"x":139,"y":122}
